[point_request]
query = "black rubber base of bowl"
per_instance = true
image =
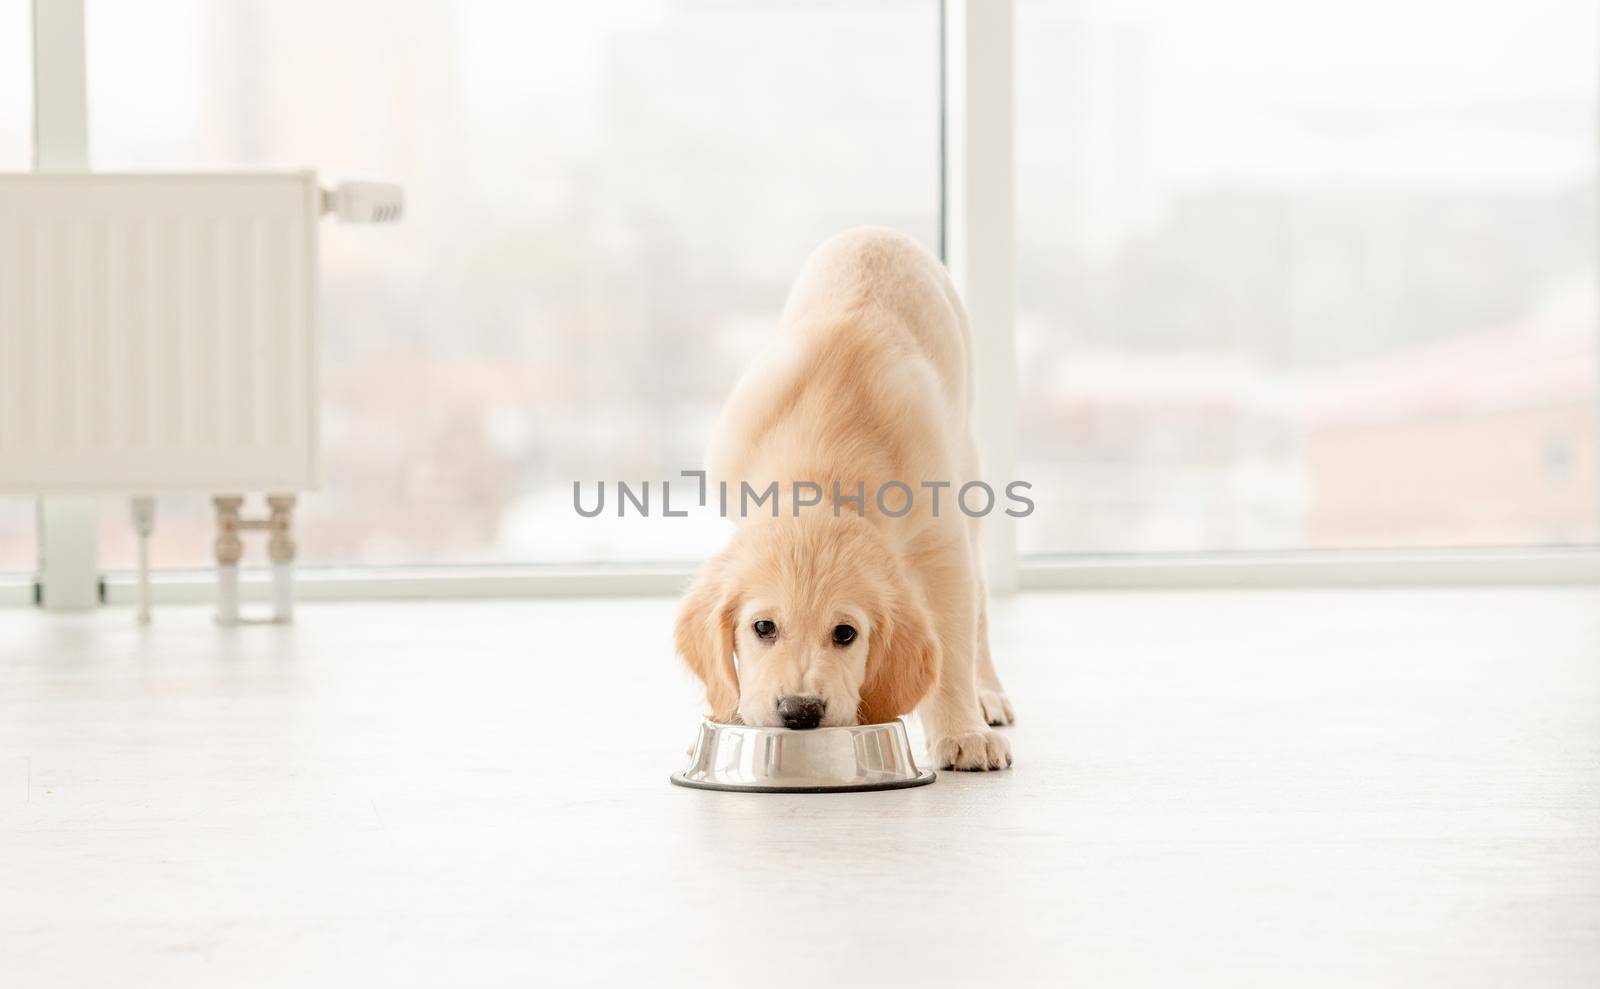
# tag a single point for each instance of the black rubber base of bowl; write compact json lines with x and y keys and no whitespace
{"x":923,"y":779}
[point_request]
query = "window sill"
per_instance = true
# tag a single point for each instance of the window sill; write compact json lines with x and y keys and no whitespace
{"x":1509,"y":567}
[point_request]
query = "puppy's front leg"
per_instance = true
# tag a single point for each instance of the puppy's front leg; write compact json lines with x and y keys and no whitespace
{"x":951,"y":717}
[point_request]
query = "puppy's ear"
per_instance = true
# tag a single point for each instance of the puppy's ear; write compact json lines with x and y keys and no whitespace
{"x":903,"y":663}
{"x":705,"y":639}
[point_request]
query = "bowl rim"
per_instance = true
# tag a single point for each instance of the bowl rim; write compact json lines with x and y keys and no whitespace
{"x":723,"y":725}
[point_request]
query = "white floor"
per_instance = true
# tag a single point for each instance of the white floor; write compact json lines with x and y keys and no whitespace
{"x":1272,"y":788}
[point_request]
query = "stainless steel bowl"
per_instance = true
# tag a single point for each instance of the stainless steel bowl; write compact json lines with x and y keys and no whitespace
{"x":817,"y":760}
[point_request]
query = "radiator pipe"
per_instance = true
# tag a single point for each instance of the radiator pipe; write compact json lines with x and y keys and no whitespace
{"x":144,"y":523}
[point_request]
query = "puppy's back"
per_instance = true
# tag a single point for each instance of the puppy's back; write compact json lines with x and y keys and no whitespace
{"x":883,"y":276}
{"x":870,"y":365}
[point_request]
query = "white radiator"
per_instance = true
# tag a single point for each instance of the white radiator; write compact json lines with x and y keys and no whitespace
{"x":158,"y":333}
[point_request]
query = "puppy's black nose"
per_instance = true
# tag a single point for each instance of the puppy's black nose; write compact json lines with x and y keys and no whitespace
{"x":801,"y":712}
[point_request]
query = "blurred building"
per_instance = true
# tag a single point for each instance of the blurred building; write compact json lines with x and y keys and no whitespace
{"x":1492,"y":434}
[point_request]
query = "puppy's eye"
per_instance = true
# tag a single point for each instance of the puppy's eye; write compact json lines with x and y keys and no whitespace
{"x":843,"y":635}
{"x":765,"y":629}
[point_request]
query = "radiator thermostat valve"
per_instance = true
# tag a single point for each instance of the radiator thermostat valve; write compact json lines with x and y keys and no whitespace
{"x":365,"y":202}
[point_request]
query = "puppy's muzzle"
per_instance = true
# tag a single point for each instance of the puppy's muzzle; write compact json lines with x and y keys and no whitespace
{"x":801,"y":712}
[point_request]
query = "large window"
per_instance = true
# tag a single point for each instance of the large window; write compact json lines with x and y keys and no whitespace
{"x":605,"y":205}
{"x":1289,"y":277}
{"x":1307,"y":275}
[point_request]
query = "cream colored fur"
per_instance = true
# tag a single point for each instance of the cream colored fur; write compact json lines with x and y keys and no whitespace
{"x":868,"y":380}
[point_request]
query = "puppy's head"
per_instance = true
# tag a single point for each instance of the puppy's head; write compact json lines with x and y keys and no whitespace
{"x":805,"y":622}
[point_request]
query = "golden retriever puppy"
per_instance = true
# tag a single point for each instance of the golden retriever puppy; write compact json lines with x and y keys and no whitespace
{"x":856,"y":595}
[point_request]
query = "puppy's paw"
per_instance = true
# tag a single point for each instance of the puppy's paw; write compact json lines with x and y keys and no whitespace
{"x":996,"y":707}
{"x":974,"y":750}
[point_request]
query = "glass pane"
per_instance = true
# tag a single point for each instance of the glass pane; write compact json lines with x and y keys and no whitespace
{"x":16,"y":85}
{"x":605,"y":205}
{"x":1307,"y":276}
{"x":18,"y":552}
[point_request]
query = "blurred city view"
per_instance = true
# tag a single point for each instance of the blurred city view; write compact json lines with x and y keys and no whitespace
{"x":1289,"y":278}
{"x":605,"y":205}
{"x":1307,"y":277}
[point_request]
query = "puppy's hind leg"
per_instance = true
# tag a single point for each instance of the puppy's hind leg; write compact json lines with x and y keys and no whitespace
{"x":991,"y":695}
{"x":951,"y":716}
